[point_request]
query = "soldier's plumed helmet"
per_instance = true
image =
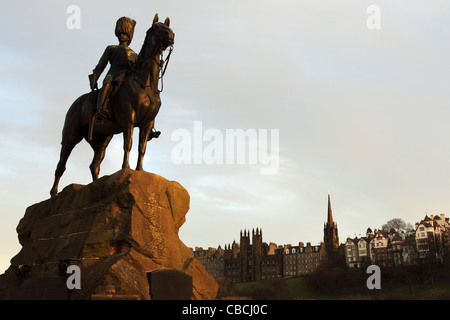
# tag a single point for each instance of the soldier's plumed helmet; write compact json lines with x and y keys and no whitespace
{"x":125,"y":25}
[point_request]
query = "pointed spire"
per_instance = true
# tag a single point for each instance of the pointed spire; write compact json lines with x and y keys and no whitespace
{"x":330,"y":213}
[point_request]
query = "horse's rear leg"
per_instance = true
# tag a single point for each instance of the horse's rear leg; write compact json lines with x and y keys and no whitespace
{"x":67,"y":146}
{"x":98,"y":144}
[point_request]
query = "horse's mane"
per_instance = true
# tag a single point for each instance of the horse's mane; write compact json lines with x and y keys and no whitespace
{"x":146,"y":49}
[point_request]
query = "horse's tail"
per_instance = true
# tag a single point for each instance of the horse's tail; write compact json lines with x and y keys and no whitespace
{"x":76,"y":117}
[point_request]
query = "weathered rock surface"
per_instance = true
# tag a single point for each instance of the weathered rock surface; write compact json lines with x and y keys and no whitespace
{"x":115,"y":229}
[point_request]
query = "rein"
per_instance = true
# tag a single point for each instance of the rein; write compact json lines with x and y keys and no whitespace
{"x":163,"y":70}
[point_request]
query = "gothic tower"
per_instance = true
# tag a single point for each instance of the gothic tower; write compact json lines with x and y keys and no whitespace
{"x":330,"y":232}
{"x":245,"y":254}
{"x":257,"y":252}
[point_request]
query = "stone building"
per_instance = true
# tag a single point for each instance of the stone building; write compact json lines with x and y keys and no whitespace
{"x":429,"y":242}
{"x":249,"y":260}
{"x":359,"y":252}
{"x":252,"y":259}
{"x":432,"y":238}
{"x":300,"y":260}
{"x":381,"y":247}
{"x":272,"y":262}
{"x":212,"y":259}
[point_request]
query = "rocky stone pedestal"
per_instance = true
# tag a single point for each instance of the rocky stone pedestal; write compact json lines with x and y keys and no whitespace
{"x":116,"y":230}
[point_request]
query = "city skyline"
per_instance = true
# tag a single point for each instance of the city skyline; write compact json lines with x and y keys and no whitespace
{"x":358,"y":113}
{"x":356,"y":234}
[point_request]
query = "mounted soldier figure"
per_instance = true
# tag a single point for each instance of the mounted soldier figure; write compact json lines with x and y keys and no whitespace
{"x":122,"y":59}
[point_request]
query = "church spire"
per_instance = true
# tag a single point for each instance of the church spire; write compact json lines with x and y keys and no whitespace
{"x":331,"y":238}
{"x":330,"y":213}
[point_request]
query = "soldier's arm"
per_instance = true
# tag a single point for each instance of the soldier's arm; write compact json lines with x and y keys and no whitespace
{"x":103,"y":62}
{"x":132,"y":60}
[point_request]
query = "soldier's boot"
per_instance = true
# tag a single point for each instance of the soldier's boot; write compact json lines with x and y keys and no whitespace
{"x":102,"y":107}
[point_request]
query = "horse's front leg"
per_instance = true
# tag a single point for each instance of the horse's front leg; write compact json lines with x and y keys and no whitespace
{"x":98,"y":144}
{"x":144,"y":134}
{"x":127,"y":140}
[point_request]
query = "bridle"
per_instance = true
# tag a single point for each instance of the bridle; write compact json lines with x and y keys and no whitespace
{"x":163,"y":66}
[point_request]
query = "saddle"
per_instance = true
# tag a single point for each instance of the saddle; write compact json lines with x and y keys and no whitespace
{"x":92,"y":101}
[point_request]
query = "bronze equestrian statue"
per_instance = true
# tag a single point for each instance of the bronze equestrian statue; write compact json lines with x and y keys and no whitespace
{"x":135,"y":103}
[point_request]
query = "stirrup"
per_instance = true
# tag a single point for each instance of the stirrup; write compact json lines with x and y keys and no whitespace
{"x":154,"y":134}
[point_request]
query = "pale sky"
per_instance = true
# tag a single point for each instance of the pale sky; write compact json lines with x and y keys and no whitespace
{"x":362,"y":114}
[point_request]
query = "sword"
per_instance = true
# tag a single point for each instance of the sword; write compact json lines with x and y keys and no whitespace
{"x":92,"y":99}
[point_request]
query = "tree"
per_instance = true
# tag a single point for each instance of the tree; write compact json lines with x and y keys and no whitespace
{"x":398,"y":224}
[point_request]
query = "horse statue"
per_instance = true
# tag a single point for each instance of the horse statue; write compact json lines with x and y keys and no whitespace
{"x":135,"y":104}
